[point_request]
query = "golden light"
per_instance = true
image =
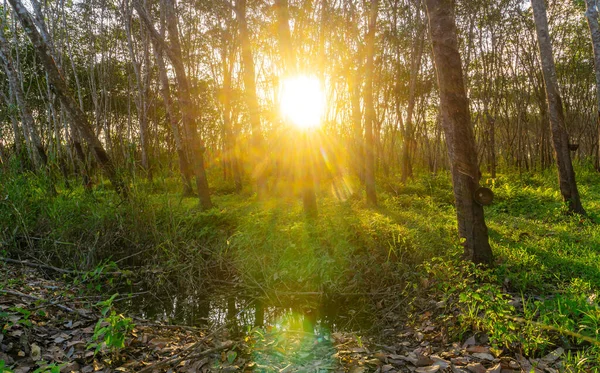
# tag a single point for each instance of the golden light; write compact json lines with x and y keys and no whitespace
{"x":302,"y":101}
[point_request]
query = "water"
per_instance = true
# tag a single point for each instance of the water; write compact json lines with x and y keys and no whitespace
{"x":219,"y":307}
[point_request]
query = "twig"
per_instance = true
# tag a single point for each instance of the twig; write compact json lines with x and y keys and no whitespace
{"x":55,"y":304}
{"x":55,"y":269}
{"x":176,"y":359}
{"x":186,"y":352}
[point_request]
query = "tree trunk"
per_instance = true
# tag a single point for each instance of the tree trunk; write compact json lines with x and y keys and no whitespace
{"x":62,"y":91}
{"x":26,"y":116}
{"x":456,"y":121}
{"x":560,"y":137}
{"x":370,"y":116}
{"x":409,"y":140}
{"x":592,"y":19}
{"x":195,"y":143}
{"x":257,"y":150}
{"x":140,"y":101}
{"x":165,"y":91}
{"x":229,"y":139}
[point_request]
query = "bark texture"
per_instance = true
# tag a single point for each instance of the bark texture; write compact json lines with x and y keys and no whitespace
{"x":591,"y":14}
{"x":456,"y":121}
{"x":560,"y":137}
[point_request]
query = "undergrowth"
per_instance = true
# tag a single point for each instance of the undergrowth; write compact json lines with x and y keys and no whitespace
{"x":542,"y":287}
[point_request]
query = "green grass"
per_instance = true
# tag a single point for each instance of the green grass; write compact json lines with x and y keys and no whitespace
{"x":549,"y":257}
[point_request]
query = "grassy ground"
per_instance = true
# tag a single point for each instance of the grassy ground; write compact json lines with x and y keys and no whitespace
{"x":543,"y":286}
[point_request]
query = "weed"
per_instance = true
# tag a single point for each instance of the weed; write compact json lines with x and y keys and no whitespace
{"x":112,"y":329}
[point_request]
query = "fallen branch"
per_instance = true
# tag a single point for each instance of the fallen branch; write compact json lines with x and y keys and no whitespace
{"x":176,"y":359}
{"x":52,"y":268}
{"x":55,"y":304}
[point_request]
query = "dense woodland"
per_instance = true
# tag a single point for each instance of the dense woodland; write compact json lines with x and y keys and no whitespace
{"x":119,"y":70}
{"x":111,"y":103}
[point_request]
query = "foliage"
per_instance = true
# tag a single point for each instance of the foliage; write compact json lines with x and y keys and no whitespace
{"x":111,"y":330}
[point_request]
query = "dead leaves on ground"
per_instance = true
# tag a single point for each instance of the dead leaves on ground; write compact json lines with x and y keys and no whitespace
{"x":37,"y":334}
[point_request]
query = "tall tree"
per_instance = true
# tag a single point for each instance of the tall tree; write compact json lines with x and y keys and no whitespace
{"x":171,"y":116}
{"x":62,"y":91}
{"x":456,"y":120}
{"x":560,"y":137}
{"x":370,"y":116}
{"x":173,"y":50}
{"x":591,"y":14}
{"x":26,"y":116}
{"x":249,"y":74}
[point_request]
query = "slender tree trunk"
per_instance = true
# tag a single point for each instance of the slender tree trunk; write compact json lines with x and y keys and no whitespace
{"x":229,"y":139}
{"x":186,"y":104}
{"x":456,"y":121}
{"x":171,"y":117}
{"x":409,"y":140}
{"x":592,"y":19}
{"x":370,"y":116}
{"x":257,"y":151}
{"x":26,"y":117}
{"x":560,"y":137}
{"x":17,"y":134}
{"x":140,"y":101}
{"x":61,"y":89}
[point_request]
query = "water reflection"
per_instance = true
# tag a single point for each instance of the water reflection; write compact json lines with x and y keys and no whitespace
{"x":242,"y":313}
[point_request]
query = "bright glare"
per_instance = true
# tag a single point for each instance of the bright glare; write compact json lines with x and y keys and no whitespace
{"x":302,"y":101}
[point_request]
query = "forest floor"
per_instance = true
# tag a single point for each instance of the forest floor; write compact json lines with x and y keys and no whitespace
{"x":48,"y":326}
{"x":386,"y":288}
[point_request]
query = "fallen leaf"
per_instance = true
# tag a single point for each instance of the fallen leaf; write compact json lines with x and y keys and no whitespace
{"x":429,"y":369}
{"x":483,"y":356}
{"x":476,"y":368}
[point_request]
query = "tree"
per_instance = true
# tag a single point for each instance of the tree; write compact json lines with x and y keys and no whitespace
{"x":62,"y":91}
{"x":560,"y":137}
{"x":370,"y":116}
{"x":249,"y":73}
{"x":591,"y":14}
{"x":174,"y":53}
{"x":456,"y":121}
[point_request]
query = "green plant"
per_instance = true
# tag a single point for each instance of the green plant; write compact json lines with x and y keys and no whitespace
{"x":48,"y":368}
{"x":112,"y":329}
{"x":4,"y":368}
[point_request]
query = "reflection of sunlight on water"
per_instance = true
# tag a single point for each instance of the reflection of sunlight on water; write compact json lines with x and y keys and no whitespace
{"x":294,"y":341}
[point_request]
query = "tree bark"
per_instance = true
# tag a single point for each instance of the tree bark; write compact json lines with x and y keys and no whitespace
{"x":41,"y":46}
{"x":560,"y":137}
{"x":171,"y":117}
{"x":174,"y":53}
{"x":592,"y":19}
{"x":456,"y":121}
{"x":370,"y":116}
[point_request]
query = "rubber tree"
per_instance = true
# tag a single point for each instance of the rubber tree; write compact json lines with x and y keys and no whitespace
{"x":250,"y":95}
{"x":370,"y":116}
{"x":560,"y":137}
{"x":456,"y":122}
{"x":591,"y":14}
{"x":173,"y":51}
{"x":61,"y":90}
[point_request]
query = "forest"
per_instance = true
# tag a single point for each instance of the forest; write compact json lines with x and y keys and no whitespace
{"x":299,"y":186}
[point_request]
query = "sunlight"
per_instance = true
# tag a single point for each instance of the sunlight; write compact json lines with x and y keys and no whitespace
{"x":302,"y":101}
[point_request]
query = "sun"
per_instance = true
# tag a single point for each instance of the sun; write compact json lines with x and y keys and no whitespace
{"x":302,"y":101}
